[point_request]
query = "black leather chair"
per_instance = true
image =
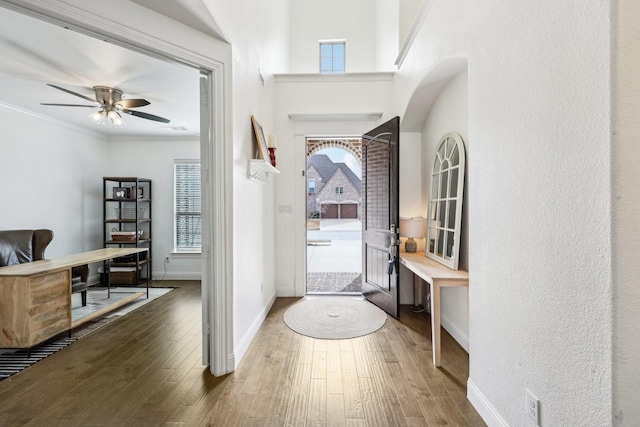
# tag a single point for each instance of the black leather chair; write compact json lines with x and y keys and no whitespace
{"x":20,"y":246}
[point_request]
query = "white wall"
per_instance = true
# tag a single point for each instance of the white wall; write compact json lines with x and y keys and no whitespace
{"x":412,"y":202}
{"x":408,"y":13}
{"x":258,"y":33}
{"x":58,"y":169}
{"x":154,"y":158}
{"x":449,"y":114}
{"x":388,"y":34}
{"x":539,"y":196}
{"x":625,"y":199}
{"x":51,"y":179}
{"x":312,"y":21}
{"x":310,"y":96}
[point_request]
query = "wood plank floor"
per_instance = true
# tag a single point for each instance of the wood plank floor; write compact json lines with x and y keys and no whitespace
{"x":144,"y":369}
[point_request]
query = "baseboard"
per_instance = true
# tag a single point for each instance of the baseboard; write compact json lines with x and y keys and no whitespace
{"x":455,"y":332}
{"x":483,"y":406}
{"x":244,"y":343}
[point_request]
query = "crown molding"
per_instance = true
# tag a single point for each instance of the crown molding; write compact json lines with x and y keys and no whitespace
{"x":37,"y":116}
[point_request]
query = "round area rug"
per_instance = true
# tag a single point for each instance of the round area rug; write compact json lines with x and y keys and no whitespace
{"x":334,"y":318}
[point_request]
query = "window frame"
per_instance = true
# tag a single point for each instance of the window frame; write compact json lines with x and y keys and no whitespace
{"x":336,"y":42}
{"x":179,"y":248}
{"x":446,"y":193}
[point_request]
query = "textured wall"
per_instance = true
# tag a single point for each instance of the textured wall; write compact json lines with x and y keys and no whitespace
{"x":626,"y":213}
{"x":449,"y":113}
{"x":539,"y":199}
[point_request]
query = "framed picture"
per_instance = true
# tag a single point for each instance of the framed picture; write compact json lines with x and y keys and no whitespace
{"x":260,"y":139}
{"x":121,"y":193}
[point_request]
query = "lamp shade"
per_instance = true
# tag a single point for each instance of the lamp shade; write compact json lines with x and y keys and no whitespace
{"x":412,"y":227}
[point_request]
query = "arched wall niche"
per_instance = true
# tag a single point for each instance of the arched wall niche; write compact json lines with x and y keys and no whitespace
{"x":427,"y":92}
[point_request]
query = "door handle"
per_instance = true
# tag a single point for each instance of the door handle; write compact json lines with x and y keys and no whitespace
{"x":393,"y":250}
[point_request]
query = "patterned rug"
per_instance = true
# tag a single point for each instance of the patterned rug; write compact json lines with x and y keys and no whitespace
{"x":13,"y":361}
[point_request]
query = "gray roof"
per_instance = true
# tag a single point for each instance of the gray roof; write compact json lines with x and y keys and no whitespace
{"x":326,"y":168}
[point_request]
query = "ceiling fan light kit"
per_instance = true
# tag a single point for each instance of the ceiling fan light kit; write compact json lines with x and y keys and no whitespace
{"x":110,"y":103}
{"x":104,"y":115}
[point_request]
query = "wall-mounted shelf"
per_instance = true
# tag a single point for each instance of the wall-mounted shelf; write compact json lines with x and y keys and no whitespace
{"x":259,"y":170}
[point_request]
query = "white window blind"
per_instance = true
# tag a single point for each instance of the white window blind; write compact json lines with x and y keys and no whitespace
{"x":188,"y":212}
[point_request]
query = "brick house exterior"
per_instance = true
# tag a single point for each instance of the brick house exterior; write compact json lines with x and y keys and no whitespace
{"x":333,"y":190}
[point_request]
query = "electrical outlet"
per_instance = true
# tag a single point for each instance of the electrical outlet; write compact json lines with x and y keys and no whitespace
{"x":262,"y":288}
{"x":167,"y":260}
{"x":533,"y":407}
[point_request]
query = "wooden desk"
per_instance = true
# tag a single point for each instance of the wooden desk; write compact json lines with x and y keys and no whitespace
{"x":35,"y":297}
{"x":437,"y":275}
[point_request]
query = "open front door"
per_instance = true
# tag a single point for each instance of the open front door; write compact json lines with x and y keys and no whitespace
{"x":380,"y":201}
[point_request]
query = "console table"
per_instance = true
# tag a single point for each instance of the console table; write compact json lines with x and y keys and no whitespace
{"x":437,"y":275}
{"x":35,"y":297}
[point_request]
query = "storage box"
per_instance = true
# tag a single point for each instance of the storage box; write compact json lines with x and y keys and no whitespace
{"x":123,"y":276}
{"x":130,"y":258}
{"x":123,"y":236}
{"x":128,"y":213}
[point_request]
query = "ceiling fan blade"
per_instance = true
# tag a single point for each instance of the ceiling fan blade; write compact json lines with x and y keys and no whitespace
{"x":72,"y":93}
{"x":70,"y":105}
{"x":146,"y":116}
{"x":132,"y":103}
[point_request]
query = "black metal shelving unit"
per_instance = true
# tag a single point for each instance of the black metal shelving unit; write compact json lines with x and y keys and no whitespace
{"x":127,"y":208}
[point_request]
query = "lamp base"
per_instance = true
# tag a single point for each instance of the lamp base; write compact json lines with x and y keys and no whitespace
{"x":410,"y":245}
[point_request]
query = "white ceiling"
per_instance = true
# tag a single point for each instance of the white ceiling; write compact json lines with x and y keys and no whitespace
{"x":35,"y":53}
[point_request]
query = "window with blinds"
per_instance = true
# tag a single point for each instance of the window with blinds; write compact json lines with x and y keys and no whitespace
{"x":188,"y":229}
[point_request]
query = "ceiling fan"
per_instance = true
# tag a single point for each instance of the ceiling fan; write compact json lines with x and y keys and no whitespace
{"x":110,"y":104}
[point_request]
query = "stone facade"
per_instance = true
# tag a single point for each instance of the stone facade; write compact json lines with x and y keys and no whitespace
{"x":329,"y":195}
{"x":333,"y":190}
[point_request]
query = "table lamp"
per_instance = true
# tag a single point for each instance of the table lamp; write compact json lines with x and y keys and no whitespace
{"x":412,"y":228}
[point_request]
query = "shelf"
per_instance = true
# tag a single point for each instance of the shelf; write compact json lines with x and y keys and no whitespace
{"x":259,"y":170}
{"x":132,"y":220}
{"x":127,"y":200}
{"x":126,"y":242}
{"x":127,"y":264}
{"x":133,"y":209}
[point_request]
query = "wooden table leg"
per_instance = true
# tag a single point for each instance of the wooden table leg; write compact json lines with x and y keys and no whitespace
{"x":435,"y":322}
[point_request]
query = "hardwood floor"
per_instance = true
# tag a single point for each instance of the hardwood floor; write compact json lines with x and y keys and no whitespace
{"x":144,"y":369}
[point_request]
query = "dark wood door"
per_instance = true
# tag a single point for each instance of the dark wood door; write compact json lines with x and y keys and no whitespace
{"x":380,"y":196}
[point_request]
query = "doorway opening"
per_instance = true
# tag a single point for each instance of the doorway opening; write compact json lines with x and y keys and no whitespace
{"x":333,"y":205}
